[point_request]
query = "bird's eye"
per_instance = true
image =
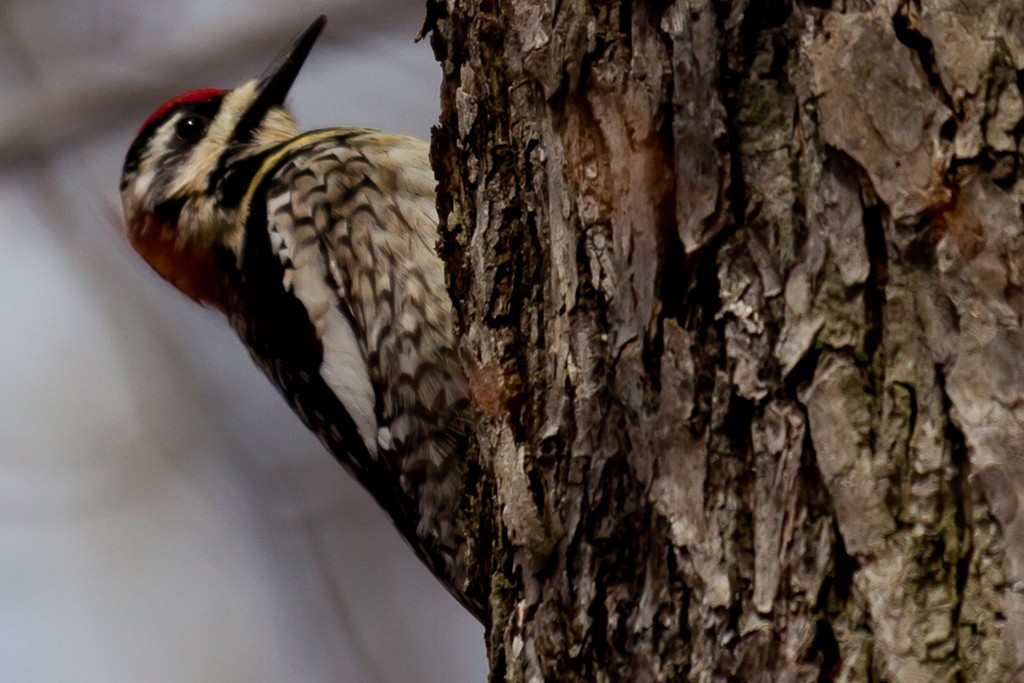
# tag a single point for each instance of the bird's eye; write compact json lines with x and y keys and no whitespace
{"x":190,"y":128}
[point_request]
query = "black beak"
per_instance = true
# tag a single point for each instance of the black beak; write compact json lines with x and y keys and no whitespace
{"x":274,"y":86}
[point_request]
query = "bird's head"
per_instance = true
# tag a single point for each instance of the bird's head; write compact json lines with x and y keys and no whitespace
{"x":182,"y":181}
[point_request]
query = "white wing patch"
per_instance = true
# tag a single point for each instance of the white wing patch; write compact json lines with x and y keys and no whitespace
{"x":343,"y":369}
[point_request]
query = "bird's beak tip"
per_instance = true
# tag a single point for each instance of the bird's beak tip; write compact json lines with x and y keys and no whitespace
{"x":273,"y":88}
{"x":282,"y":74}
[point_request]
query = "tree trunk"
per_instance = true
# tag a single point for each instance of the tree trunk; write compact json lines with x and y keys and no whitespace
{"x":741,"y":285}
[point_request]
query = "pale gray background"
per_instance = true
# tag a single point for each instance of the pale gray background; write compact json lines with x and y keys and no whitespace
{"x":163,"y":516}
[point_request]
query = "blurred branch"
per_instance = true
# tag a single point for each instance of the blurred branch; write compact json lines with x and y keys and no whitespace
{"x":55,"y":107}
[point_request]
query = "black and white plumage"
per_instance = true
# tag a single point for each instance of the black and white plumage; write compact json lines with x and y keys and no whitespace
{"x":320,"y":250}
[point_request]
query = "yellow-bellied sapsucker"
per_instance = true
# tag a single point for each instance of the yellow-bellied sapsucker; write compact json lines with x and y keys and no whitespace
{"x":320,"y":250}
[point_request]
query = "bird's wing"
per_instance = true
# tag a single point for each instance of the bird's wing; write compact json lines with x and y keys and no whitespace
{"x":352,"y":222}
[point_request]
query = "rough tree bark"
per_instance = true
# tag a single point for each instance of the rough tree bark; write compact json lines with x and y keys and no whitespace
{"x":742,"y":286}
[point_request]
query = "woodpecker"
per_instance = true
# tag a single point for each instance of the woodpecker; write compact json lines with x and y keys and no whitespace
{"x":319,"y":248}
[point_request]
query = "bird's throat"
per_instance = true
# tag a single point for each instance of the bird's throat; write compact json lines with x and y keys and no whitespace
{"x":192,"y":271}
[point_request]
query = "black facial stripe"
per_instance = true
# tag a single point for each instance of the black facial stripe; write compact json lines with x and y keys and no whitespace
{"x":231,"y":179}
{"x":169,"y":211}
{"x":206,"y":109}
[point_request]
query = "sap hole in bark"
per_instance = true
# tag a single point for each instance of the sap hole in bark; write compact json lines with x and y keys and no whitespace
{"x":948,"y":129}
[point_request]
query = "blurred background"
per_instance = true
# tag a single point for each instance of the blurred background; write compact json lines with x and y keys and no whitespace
{"x":163,"y":515}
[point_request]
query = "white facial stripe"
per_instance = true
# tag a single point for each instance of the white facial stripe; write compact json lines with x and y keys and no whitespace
{"x":150,"y":164}
{"x":202,"y":161}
